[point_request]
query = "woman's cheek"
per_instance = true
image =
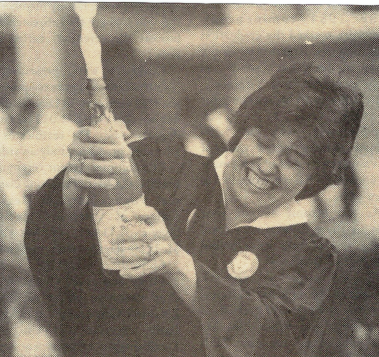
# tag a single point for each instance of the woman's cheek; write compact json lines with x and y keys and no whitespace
{"x":294,"y":179}
{"x":249,"y":152}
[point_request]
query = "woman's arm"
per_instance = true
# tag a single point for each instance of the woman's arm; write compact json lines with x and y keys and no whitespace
{"x":268,"y":316}
{"x":183,"y":280}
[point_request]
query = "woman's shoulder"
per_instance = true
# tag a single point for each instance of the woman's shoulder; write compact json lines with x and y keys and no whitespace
{"x":310,"y":238}
{"x":281,"y":250}
{"x":303,"y":235}
{"x":311,"y":255}
{"x":276,"y":240}
{"x":295,"y":261}
{"x":297,"y":248}
{"x":310,"y":248}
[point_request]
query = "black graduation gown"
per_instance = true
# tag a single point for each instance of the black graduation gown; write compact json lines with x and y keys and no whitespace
{"x":276,"y":312}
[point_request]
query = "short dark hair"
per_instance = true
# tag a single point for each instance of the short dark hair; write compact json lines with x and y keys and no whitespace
{"x":307,"y":100}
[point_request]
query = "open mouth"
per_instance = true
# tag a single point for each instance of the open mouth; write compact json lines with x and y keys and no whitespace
{"x":259,"y":183}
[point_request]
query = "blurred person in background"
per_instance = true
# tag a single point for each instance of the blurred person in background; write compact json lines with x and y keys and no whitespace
{"x":12,"y":204}
{"x":350,"y":191}
{"x":212,"y":137}
{"x":42,"y":147}
{"x":24,"y":117}
{"x":12,"y":200}
{"x":34,"y":148}
{"x":231,"y":266}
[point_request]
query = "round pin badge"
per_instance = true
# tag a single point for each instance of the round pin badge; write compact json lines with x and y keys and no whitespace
{"x":244,"y":265}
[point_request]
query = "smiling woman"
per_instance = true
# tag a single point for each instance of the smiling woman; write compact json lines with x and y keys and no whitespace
{"x":227,"y":264}
{"x":264,"y":172}
{"x":308,"y":102}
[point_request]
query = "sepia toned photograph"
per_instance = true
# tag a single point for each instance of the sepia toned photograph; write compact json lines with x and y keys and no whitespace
{"x":189,"y":180}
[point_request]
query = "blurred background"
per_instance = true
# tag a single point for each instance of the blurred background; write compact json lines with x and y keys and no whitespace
{"x":182,"y":69}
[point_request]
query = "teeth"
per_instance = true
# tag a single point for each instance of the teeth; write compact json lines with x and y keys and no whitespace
{"x":256,"y":181}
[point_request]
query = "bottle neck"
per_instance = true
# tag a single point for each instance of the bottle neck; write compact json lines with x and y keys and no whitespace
{"x":100,"y":110}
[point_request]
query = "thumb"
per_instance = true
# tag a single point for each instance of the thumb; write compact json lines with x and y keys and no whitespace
{"x":120,"y":126}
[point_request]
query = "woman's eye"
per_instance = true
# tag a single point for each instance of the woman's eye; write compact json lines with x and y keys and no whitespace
{"x":264,"y":142}
{"x":297,"y":160}
{"x":293,"y":163}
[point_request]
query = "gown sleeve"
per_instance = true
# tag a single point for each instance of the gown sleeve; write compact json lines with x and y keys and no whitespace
{"x":43,"y":236}
{"x":271,"y":313}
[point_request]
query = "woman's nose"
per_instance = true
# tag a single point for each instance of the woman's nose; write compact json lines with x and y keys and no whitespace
{"x":269,"y":165}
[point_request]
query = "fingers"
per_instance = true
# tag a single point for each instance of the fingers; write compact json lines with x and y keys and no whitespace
{"x":158,"y":248}
{"x":81,"y":180}
{"x":99,"y":151}
{"x":140,"y":224}
{"x":75,"y":175}
{"x":101,"y":135}
{"x":157,"y":265}
{"x":128,"y":252}
{"x":146,"y":213}
{"x":137,"y":259}
{"x":105,"y":168}
{"x":100,"y":143}
{"x":110,"y":134}
{"x":139,"y":231}
{"x":120,"y":126}
{"x":132,"y":231}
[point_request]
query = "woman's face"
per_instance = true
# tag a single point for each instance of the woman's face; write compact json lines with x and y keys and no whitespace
{"x":267,"y":170}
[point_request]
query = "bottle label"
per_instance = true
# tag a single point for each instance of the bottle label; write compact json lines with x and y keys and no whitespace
{"x":110,"y":227}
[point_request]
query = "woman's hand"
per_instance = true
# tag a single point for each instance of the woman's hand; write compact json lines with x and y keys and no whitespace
{"x":146,"y":238}
{"x":95,"y":155}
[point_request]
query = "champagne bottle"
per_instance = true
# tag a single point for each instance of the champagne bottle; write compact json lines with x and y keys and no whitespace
{"x":108,"y":205}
